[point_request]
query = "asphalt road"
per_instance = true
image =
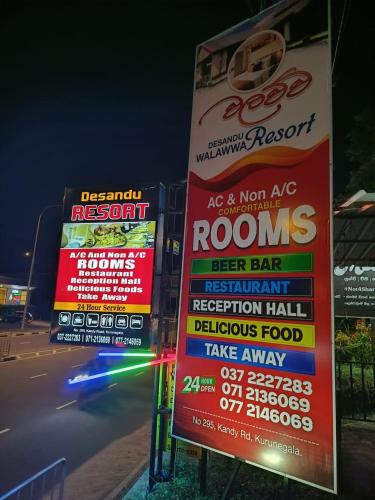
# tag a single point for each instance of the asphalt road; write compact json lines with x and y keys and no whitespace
{"x":34,"y":339}
{"x":43,"y":419}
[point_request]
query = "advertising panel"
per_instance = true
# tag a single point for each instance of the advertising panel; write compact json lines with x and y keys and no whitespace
{"x":254,"y":373}
{"x":354,"y":291}
{"x":105,"y":275}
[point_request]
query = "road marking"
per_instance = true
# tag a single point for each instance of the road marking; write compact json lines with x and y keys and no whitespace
{"x":76,"y":366}
{"x":46,"y":352}
{"x":39,"y":375}
{"x":112,"y":385}
{"x":12,"y":333}
{"x":66,"y":404}
{"x":3,"y":431}
{"x":28,"y":342}
{"x":140,"y":373}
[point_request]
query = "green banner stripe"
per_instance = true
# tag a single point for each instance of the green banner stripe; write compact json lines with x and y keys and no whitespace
{"x":254,"y":264}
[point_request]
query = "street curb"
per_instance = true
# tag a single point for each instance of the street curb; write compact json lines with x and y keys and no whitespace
{"x":40,"y":354}
{"x":126,"y":484}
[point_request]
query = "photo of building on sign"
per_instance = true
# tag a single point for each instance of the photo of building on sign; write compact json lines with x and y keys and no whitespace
{"x":248,"y":62}
{"x":256,"y":60}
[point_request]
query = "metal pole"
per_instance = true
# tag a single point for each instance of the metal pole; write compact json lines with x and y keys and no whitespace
{"x":231,"y":480}
{"x":155,"y":400}
{"x":53,"y":483}
{"x":364,"y":402}
{"x":286,"y":488}
{"x":173,"y":458}
{"x":62,"y":480}
{"x":162,"y":417}
{"x":27,"y":301}
{"x":203,"y":472}
{"x":338,"y":441}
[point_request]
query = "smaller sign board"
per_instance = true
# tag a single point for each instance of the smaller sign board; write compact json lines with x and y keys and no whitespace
{"x":105,"y":275}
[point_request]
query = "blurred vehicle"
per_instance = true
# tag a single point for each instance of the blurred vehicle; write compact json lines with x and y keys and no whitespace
{"x":9,"y":315}
{"x":91,"y":368}
{"x":88,"y":384}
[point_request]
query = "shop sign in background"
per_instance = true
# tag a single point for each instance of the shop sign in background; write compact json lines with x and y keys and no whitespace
{"x":105,"y":275}
{"x":354,"y":291}
{"x":254,"y":362}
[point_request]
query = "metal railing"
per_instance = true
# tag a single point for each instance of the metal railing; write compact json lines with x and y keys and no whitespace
{"x":48,"y":483}
{"x":356,"y":390}
{"x":4,"y":347}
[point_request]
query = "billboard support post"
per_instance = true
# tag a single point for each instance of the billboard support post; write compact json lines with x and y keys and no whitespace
{"x":338,"y":435}
{"x":286,"y":488}
{"x":157,"y":316}
{"x":161,"y":409}
{"x":173,"y":457}
{"x":203,"y":472}
{"x":232,"y":478}
{"x":155,"y":400}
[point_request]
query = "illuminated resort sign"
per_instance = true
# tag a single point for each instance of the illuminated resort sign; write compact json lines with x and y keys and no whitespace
{"x":254,"y":373}
{"x":105,"y":277}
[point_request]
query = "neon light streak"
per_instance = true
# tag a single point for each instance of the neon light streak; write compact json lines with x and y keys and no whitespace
{"x":84,"y":378}
{"x":129,"y":354}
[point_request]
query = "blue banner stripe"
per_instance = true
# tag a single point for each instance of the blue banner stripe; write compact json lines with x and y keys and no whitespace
{"x":252,"y":355}
{"x":289,"y":287}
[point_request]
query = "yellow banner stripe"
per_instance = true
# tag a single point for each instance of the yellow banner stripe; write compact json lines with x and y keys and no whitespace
{"x":110,"y":308}
{"x":253,"y":331}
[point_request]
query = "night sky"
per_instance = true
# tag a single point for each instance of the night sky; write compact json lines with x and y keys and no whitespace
{"x":99,"y":92}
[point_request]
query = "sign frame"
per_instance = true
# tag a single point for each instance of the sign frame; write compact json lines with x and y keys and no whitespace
{"x":194,"y":181}
{"x":118,"y":224}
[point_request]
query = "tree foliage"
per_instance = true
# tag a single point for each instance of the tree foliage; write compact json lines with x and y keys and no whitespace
{"x":354,"y":345}
{"x":360,"y":151}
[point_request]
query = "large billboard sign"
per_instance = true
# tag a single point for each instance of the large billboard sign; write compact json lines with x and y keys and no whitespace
{"x":106,"y":265}
{"x":254,"y":375}
{"x":354,"y":291}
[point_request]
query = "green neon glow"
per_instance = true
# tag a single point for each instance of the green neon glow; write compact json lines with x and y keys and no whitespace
{"x":84,"y":378}
{"x":129,"y":354}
